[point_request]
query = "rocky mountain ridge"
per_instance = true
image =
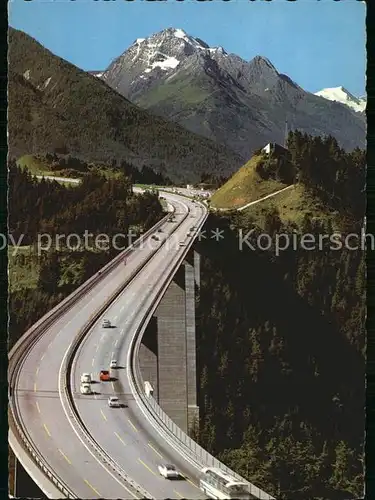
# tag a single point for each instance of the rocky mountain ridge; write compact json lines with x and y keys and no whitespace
{"x":55,"y":106}
{"x":243,"y":104}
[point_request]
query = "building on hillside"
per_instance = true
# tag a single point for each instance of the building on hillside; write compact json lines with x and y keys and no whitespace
{"x":273,"y":148}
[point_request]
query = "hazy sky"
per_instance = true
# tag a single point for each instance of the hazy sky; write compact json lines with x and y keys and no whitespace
{"x":318,"y":43}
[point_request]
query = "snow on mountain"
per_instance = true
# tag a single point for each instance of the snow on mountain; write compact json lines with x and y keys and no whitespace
{"x":98,"y":74}
{"x":340,"y":94}
{"x":179,"y":33}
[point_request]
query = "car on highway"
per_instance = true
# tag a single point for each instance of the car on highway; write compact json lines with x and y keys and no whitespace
{"x":154,"y":237}
{"x":85,"y":388}
{"x":86,"y":378}
{"x":114,"y":402}
{"x":168,"y":471}
{"x":113,"y":363}
{"x":182,"y":244}
{"x":106,"y":323}
{"x":104,"y":376}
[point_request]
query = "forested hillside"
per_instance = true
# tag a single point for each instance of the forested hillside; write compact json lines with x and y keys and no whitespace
{"x":65,"y":165}
{"x":281,"y":338}
{"x":97,"y":206}
{"x":55,"y":106}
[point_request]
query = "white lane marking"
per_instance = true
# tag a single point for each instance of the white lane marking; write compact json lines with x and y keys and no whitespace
{"x":147,"y":467}
{"x":46,"y":429}
{"x":119,"y":437}
{"x":93,"y":361}
{"x":105,"y":418}
{"x":115,"y":344}
{"x":66,"y":458}
{"x":37,"y":405}
{"x":81,"y":439}
{"x":92,"y":487}
{"x":122,"y":308}
{"x":191,"y":482}
{"x":150,"y":445}
{"x":131,"y":423}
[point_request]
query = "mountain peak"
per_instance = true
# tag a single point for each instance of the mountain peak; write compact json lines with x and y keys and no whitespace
{"x":343,"y":96}
{"x":263,"y":62}
{"x":238,"y":102}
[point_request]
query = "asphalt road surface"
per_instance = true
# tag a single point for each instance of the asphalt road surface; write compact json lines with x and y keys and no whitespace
{"x":124,"y":433}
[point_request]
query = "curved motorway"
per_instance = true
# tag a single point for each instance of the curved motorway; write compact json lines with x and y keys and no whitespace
{"x":123,"y":433}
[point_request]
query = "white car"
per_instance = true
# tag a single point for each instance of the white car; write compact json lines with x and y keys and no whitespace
{"x":113,"y":402}
{"x":86,"y":378}
{"x":106,"y":323}
{"x":113,"y":364}
{"x":85,"y":388}
{"x":169,"y":471}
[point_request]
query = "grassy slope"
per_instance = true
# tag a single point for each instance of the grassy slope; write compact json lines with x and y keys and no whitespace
{"x":174,"y":91}
{"x":293,"y":205}
{"x":51,"y":101}
{"x":41,"y":167}
{"x":182,"y":91}
{"x":243,"y":187}
{"x":34,"y":165}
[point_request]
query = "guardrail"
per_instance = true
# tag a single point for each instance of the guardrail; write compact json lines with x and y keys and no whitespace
{"x":65,"y":389}
{"x":173,"y":434}
{"x":165,"y":426}
{"x":32,"y":336}
{"x":40,"y":462}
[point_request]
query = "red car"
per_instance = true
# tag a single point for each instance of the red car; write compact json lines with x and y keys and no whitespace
{"x":104,"y":375}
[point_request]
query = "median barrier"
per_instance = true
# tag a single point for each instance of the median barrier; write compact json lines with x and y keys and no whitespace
{"x":22,"y":346}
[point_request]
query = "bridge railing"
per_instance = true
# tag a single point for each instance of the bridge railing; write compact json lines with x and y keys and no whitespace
{"x":197,"y":454}
{"x":173,"y":434}
{"x":186,"y":446}
{"x":17,"y":429}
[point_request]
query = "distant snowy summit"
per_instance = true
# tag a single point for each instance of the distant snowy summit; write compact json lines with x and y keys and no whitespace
{"x":340,"y":94}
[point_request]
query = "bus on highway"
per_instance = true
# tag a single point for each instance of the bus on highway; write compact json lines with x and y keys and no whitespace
{"x":216,"y":483}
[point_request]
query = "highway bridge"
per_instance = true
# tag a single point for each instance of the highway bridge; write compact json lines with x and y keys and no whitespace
{"x":74,"y":445}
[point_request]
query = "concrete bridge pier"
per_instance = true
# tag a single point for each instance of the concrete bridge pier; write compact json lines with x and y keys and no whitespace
{"x":168,"y":349}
